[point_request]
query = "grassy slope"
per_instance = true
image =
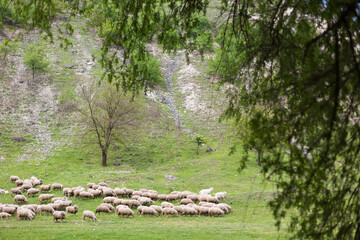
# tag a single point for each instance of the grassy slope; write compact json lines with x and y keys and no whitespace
{"x":149,"y":159}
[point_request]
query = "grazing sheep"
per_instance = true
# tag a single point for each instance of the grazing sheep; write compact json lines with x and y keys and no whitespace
{"x":206,"y":191}
{"x":157,"y":208}
{"x":223,"y":208}
{"x":214,"y":211}
{"x":66,"y":192}
{"x":77,"y":191}
{"x":90,"y":185}
{"x":131,"y":203}
{"x":206,"y":204}
{"x":109,"y":206}
{"x":45,"y":188}
{"x":25,"y":213}
{"x":14,"y":178}
{"x":167,"y":205}
{"x":9,"y":209}
{"x":72,"y":209}
{"x":20,"y":198}
{"x":193,"y":197}
{"x":129,"y":192}
{"x":171,"y":211}
{"x":124,"y":211}
{"x":56,"y":206}
{"x":212,"y":199}
{"x":135,"y":197}
{"x":26,"y":186}
{"x":30,"y":207}
{"x":119,"y":192}
{"x":117,"y":202}
{"x":148,"y":211}
{"x":103,"y":184}
{"x":85,"y":195}
{"x":16,"y":191}
{"x":175,"y":192}
{"x":202,"y":197}
{"x":101,"y":209}
{"x":139,"y":209}
{"x":37,"y":182}
{"x":188,"y":211}
{"x":139,"y":193}
{"x":95,"y":186}
{"x":45,"y":197}
{"x":56,"y":186}
{"x":45,"y":208}
{"x":186,"y":201}
{"x":145,"y":201}
{"x":2,"y":191}
{"x":32,"y":191}
{"x":4,"y":215}
{"x":59,"y":215}
{"x":203,"y":210}
{"x":108,"y":192}
{"x":220,"y":195}
{"x":58,"y":198}
{"x":89,"y":214}
{"x":109,"y":199}
{"x":96,"y":193}
{"x":224,"y":205}
{"x":152,"y":195}
{"x":162,"y":197}
{"x":179,"y":209}
{"x":19,"y":182}
{"x":173,"y":197}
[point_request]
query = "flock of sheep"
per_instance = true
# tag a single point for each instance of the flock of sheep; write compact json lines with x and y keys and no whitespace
{"x":143,"y":200}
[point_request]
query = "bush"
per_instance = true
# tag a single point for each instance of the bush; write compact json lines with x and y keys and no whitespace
{"x":35,"y":60}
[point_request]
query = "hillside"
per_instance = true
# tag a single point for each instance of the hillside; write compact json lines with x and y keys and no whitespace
{"x":160,"y":155}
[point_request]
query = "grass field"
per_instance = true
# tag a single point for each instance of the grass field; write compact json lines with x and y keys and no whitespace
{"x":248,"y":195}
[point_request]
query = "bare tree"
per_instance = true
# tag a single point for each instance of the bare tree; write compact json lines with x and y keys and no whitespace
{"x":108,"y":113}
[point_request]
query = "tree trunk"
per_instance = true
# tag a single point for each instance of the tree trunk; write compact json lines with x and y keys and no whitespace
{"x":259,"y":158}
{"x":104,"y":157}
{"x":197,"y":149}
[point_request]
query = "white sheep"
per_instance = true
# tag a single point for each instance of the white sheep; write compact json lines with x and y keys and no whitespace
{"x":148,"y":211}
{"x":19,"y":182}
{"x":56,"y":186}
{"x":4,"y":215}
{"x":109,"y":206}
{"x":206,"y":191}
{"x":16,"y":191}
{"x":45,"y":188}
{"x":45,"y":197}
{"x":220,"y":195}
{"x":102,"y":208}
{"x":14,"y":178}
{"x":32,"y":191}
{"x":20,"y":198}
{"x":167,"y":204}
{"x":109,"y":199}
{"x":59,"y":215}
{"x":58,"y":198}
{"x":124,"y":211}
{"x":86,"y":195}
{"x":72,"y":209}
{"x":25,"y":213}
{"x":89,"y":214}
{"x":212,"y":199}
{"x":157,"y":208}
{"x":215,"y":211}
{"x":186,"y":201}
{"x":45,"y":208}
{"x":171,"y":211}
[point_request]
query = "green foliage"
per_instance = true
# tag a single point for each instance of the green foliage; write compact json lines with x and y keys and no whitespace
{"x":199,"y":140}
{"x":35,"y":59}
{"x":305,"y":72}
{"x":6,"y":47}
{"x":6,"y":12}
